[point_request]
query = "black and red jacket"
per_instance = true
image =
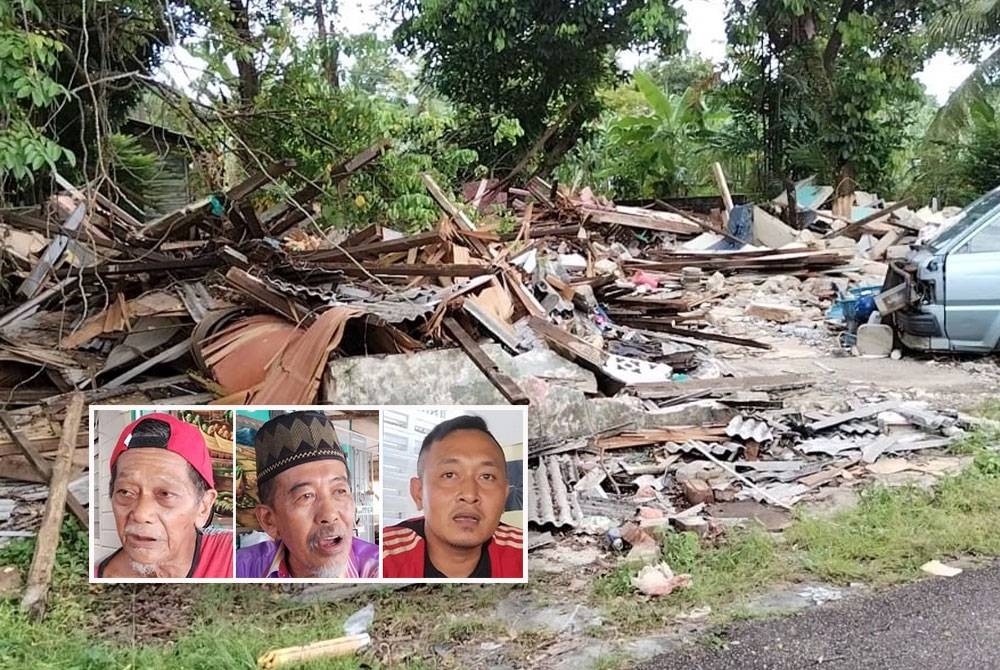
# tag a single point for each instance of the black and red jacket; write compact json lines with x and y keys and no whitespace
{"x":404,"y":553}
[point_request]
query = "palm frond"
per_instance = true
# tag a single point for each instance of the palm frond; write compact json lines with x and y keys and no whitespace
{"x":968,"y":20}
{"x":954,"y":114}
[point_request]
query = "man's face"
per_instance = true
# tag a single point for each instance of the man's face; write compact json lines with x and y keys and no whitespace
{"x":463,"y":488}
{"x":157,"y":508}
{"x":313,"y":515}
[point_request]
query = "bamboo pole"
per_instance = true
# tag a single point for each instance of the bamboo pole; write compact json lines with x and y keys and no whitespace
{"x":341,"y":646}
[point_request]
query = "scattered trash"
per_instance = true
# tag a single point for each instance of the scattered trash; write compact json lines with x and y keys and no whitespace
{"x":659,"y":580}
{"x":939,"y":569}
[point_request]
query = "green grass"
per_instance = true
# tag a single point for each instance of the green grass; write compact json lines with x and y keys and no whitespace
{"x":720,"y":575}
{"x":893,"y":532}
{"x":612,"y":662}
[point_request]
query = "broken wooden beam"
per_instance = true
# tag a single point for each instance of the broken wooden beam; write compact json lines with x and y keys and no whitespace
{"x":457,"y":215}
{"x":40,"y":572}
{"x":410,"y":269}
{"x":41,"y":466}
{"x":53,"y":253}
{"x":720,"y":386}
{"x":503,"y":382}
{"x":661,"y":327}
{"x":289,"y":214}
{"x":371,"y":248}
{"x":249,"y":285}
{"x":852,"y":228}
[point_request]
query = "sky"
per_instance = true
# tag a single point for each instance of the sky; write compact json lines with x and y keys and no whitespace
{"x":706,"y":37}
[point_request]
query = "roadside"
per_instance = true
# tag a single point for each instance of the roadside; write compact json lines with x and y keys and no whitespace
{"x":580,"y":608}
{"x":932,"y":625}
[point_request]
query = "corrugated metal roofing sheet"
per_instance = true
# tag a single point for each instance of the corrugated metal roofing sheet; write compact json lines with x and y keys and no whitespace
{"x":553,"y":501}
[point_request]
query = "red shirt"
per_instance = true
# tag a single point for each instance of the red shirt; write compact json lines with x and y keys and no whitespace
{"x":213,"y":557}
{"x":404,"y":553}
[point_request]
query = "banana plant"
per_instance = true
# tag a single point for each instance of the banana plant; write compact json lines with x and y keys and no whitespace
{"x":669,"y":149}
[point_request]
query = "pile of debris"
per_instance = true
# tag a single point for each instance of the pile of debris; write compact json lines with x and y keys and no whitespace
{"x":756,"y":467}
{"x":220,"y":302}
{"x":223,"y":302}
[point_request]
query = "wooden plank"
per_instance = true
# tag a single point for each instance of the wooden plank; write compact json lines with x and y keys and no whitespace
{"x":410,"y":270}
{"x":41,"y":465}
{"x":860,"y":413}
{"x":248,"y":219}
{"x":256,"y":289}
{"x":103,"y":201}
{"x":259,"y":180}
{"x":26,"y":307}
{"x":53,"y":253}
{"x":878,"y":251}
{"x":457,"y":215}
{"x":852,"y":228}
{"x":501,"y":331}
{"x":645,"y":222}
{"x":651,"y":436}
{"x":503,"y":383}
{"x":21,"y":469}
{"x":720,"y":180}
{"x":721,"y":385}
{"x":660,"y":327}
{"x":40,"y":572}
{"x":371,"y":248}
{"x":366,"y":235}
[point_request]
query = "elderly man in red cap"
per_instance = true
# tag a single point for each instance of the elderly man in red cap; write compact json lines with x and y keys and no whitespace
{"x":162,"y":492}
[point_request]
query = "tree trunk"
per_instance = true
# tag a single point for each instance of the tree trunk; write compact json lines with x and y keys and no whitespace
{"x":249,"y":77}
{"x":330,"y":49}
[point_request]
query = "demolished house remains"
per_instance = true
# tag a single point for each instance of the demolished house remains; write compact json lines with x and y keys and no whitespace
{"x":614,"y":322}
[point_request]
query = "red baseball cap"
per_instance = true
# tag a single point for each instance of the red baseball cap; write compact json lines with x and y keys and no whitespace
{"x":163,"y":431}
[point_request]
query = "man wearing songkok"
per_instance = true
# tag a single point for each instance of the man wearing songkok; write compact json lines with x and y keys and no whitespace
{"x":306,"y":505}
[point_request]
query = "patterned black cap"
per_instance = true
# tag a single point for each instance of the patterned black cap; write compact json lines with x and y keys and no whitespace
{"x":293,"y":439}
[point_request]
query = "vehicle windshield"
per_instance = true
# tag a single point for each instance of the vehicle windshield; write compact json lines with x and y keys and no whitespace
{"x":966,"y":219}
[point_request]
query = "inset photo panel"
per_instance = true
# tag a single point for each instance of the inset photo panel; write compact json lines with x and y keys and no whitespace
{"x":454,"y":505}
{"x":307,"y":493}
{"x":161,"y":500}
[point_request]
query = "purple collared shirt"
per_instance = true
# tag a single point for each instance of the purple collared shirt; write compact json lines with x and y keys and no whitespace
{"x":268,"y":560}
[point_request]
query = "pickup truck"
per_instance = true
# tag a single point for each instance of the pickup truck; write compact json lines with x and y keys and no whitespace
{"x":946,"y":295}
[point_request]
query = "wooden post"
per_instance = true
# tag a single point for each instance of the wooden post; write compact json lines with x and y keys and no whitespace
{"x":40,"y":573}
{"x":727,"y":198}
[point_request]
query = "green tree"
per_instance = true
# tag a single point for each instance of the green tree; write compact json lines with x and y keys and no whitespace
{"x":663,"y":150}
{"x":68,"y":74}
{"x":533,"y":63}
{"x":828,"y":85}
{"x":28,"y":90}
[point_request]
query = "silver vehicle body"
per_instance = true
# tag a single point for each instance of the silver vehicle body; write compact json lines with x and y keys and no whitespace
{"x":954,"y":284}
